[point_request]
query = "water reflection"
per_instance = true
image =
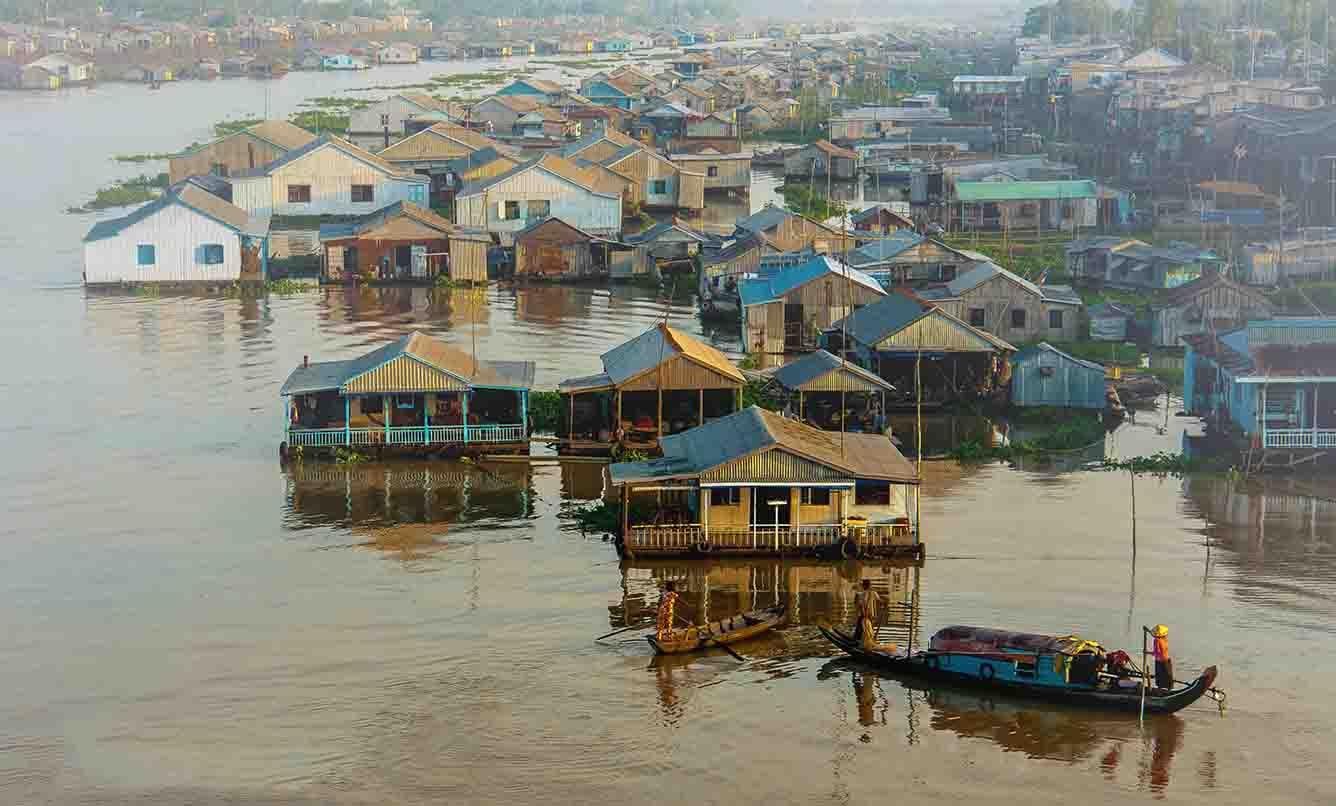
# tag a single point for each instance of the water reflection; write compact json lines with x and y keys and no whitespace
{"x":407,"y":508}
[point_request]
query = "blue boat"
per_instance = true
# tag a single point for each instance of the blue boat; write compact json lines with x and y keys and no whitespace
{"x":1063,"y":669}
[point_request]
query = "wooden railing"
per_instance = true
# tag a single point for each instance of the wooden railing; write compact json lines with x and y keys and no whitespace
{"x":405,"y":435}
{"x":682,"y":538}
{"x":1301,"y":438}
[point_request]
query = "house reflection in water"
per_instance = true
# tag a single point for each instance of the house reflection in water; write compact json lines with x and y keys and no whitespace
{"x":407,"y":508}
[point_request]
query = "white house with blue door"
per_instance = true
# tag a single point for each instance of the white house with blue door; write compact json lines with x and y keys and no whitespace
{"x":1274,"y":380}
{"x":327,"y":176}
{"x":187,"y":235}
{"x":415,"y":392}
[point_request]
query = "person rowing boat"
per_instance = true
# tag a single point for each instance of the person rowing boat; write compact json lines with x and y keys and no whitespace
{"x":865,"y":630}
{"x":668,"y":603}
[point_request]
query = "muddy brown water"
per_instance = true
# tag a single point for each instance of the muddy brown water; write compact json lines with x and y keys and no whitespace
{"x":185,"y":621}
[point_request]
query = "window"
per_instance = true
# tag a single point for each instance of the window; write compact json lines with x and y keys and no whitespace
{"x":299,"y":194}
{"x":948,"y":273}
{"x":364,"y":193}
{"x":816,"y":497}
{"x":725,"y":496}
{"x":218,"y":169}
{"x":872,"y":493}
{"x":211,"y":254}
{"x":1018,"y":317}
{"x":512,"y":211}
{"x":658,"y":187}
{"x":712,"y":170}
{"x":148,"y":255}
{"x":1026,"y":668}
{"x":977,"y":317}
{"x":373,"y":404}
{"x":538,"y":209}
{"x":1055,"y":320}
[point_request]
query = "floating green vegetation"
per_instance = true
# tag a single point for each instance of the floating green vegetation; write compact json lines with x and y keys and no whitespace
{"x":1074,"y":433}
{"x":136,"y":190}
{"x":225,"y":127}
{"x":137,"y":158}
{"x":1162,"y":464}
{"x":334,"y":102}
{"x":348,"y":456}
{"x":320,"y":121}
{"x":288,"y":286}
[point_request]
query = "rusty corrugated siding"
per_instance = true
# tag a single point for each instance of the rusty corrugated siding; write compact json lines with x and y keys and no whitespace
{"x":772,"y":466}
{"x":404,"y":374}
{"x":680,"y":373}
{"x":840,"y":381}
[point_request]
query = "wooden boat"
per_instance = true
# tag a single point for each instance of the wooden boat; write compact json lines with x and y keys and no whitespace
{"x":725,"y":631}
{"x":1057,"y":669}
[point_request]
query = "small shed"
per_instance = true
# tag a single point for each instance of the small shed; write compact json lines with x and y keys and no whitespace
{"x":467,"y":261}
{"x":554,"y":250}
{"x":833,"y":394}
{"x":1109,"y":321}
{"x":399,"y":242}
{"x":1043,"y":375}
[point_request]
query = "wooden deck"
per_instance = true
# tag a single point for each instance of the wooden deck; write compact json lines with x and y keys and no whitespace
{"x":876,"y":540}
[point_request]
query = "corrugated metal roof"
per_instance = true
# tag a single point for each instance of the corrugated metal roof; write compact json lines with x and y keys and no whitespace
{"x":331,"y":375}
{"x":757,"y":290}
{"x":189,"y":196}
{"x":880,"y":251}
{"x":658,"y":344}
{"x":753,"y":430}
{"x":551,"y":163}
{"x":346,"y":147}
{"x":281,"y":133}
{"x":800,"y":372}
{"x":767,"y":218}
{"x":1044,"y":347}
{"x":873,"y":324}
{"x":371,"y":221}
{"x":1025,"y":190}
{"x":659,"y":230}
{"x":586,"y":383}
{"x":438,"y":140}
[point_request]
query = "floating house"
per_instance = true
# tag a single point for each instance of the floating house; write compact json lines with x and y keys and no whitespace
{"x":1272,"y":380}
{"x":1043,"y":375}
{"x":669,"y":247}
{"x":833,"y":394}
{"x":788,"y":231}
{"x":186,"y":236}
{"x":379,"y":125}
{"x":1005,"y":304}
{"x":416,"y":393}
{"x":901,"y":338}
{"x":1133,"y":264}
{"x":757,"y":483}
{"x":787,"y":310}
{"x":400,"y":242}
{"x":1211,"y":303}
{"x":730,"y":171}
{"x":906,"y":258}
{"x":661,"y":382}
{"x":822,"y":158}
{"x":327,"y":176}
{"x":551,"y":249}
{"x":246,"y":150}
{"x":543,"y":187}
{"x":1026,"y":205}
{"x":880,"y":218}
{"x":1110,"y":321}
{"x":342,"y":61}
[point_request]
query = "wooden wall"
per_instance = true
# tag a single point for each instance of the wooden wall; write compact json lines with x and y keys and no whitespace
{"x":176,"y":232}
{"x":569,"y":202}
{"x":240,"y":152}
{"x":330,"y":173}
{"x":999,"y":296}
{"x":468,"y":261}
{"x":1211,"y":307}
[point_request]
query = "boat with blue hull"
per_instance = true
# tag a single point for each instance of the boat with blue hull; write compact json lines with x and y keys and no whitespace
{"x":1062,"y":669}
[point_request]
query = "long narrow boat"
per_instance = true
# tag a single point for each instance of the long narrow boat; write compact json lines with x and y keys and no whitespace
{"x":1064,"y":669}
{"x":725,"y":631}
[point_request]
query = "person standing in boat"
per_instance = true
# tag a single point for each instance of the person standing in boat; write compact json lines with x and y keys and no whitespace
{"x":1164,"y":665}
{"x":668,"y":601}
{"x":865,"y":603}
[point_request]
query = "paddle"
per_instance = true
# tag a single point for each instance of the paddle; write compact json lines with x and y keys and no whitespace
{"x":712,"y":641}
{"x":622,"y":630}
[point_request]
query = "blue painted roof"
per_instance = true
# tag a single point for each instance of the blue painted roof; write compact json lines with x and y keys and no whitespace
{"x":880,"y":251}
{"x":757,"y":290}
{"x":1034,"y":350}
{"x":896,"y":311}
{"x":767,"y":217}
{"x":808,"y":368}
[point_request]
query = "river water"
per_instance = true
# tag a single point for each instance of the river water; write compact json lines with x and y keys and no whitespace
{"x":185,"y":621}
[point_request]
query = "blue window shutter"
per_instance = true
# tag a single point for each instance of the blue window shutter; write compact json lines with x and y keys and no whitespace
{"x":147,"y":254}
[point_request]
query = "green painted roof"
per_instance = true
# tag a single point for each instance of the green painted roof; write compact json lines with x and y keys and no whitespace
{"x":1025,"y":191}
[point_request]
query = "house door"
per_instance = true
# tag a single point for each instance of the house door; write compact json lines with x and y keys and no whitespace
{"x":419,"y":262}
{"x":793,"y":327}
{"x":770,"y":505}
{"x":350,"y":265}
{"x":403,"y":259}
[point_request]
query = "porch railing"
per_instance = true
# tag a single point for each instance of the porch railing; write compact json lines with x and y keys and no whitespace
{"x":405,"y":435}
{"x":676,"y":538}
{"x":1301,"y":438}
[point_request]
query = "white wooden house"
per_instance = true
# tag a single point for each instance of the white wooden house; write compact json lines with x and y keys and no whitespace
{"x":187,"y":235}
{"x":398,"y":53}
{"x":549,"y":186}
{"x":327,"y":176}
{"x":367,"y":126}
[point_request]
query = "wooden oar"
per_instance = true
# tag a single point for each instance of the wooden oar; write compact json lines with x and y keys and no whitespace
{"x":714,"y":641}
{"x":622,"y":630}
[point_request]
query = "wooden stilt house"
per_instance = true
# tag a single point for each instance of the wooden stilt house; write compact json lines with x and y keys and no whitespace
{"x":659,"y":383}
